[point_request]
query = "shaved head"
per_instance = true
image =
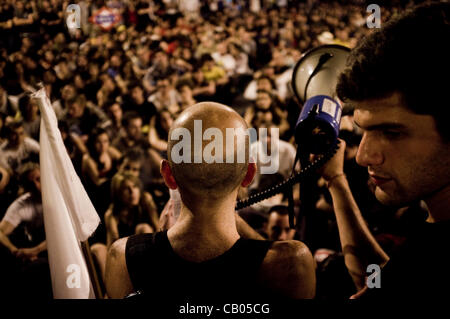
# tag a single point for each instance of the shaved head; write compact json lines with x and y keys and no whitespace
{"x":217,"y":138}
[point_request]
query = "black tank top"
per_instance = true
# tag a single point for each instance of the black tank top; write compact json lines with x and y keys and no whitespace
{"x":159,"y":273}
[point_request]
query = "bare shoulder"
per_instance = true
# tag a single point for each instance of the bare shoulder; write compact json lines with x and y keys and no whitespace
{"x":117,"y":280}
{"x":289,"y":269}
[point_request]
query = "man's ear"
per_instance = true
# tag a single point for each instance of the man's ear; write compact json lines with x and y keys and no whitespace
{"x":251,"y":172}
{"x":166,"y":173}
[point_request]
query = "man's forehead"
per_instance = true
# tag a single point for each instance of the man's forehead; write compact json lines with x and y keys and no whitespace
{"x":374,"y":111}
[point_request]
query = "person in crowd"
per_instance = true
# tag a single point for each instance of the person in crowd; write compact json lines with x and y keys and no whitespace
{"x":26,"y":209}
{"x":134,"y":138}
{"x":205,"y":239}
{"x":83,"y":70}
{"x":98,"y":166}
{"x":22,"y":241}
{"x":184,"y":89}
{"x":83,"y":118}
{"x":403,"y":135}
{"x":74,"y":145}
{"x":18,"y":148}
{"x":166,"y":96}
{"x":278,"y":224}
{"x":159,"y":130}
{"x":265,"y":105}
{"x":31,"y":119}
{"x":138,"y":102}
{"x":132,"y":211}
{"x":115,"y":113}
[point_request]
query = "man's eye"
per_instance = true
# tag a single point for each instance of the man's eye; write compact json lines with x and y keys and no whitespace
{"x":391,"y":134}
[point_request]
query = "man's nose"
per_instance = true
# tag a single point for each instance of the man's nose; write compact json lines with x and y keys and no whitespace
{"x":369,"y":152}
{"x":283,"y":236}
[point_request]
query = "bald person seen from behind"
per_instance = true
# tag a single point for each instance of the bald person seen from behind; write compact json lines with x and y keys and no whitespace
{"x":203,"y":256}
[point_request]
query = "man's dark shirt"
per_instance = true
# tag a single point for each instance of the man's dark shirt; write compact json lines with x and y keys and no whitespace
{"x":420,"y":268}
{"x":161,"y":274}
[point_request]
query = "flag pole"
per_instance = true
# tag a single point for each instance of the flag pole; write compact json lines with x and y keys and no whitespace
{"x":93,"y":275}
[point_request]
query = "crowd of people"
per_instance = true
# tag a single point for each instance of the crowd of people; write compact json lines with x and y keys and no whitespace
{"x":117,"y":92}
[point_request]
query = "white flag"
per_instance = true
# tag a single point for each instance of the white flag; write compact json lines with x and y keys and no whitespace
{"x":69,"y":216}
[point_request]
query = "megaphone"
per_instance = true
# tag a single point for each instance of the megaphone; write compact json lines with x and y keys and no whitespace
{"x":314,"y":82}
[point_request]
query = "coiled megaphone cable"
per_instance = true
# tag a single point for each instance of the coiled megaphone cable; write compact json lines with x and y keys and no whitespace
{"x":289,"y":182}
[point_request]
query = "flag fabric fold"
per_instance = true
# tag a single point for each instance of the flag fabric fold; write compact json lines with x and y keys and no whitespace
{"x":69,"y":216}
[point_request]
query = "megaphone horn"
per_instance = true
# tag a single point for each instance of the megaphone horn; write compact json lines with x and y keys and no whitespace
{"x":314,"y":82}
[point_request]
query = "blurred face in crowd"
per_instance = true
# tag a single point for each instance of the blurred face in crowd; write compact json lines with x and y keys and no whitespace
{"x":278,"y":227}
{"x":19,"y":6}
{"x":161,"y":59}
{"x":17,"y":136}
{"x":82,"y":61}
{"x":49,"y":56}
{"x":115,"y":61}
{"x":406,"y":157}
{"x":115,"y":112}
{"x":130,"y":193}
{"x":166,"y":120}
{"x":32,"y":109}
{"x":131,"y":167}
{"x":75,"y":109}
{"x":68,"y":92}
{"x":78,"y":81}
{"x":93,"y":70}
{"x":45,"y":5}
{"x":163,"y":86}
{"x":102,"y":143}
{"x":264,"y":84}
{"x":263,"y":100}
{"x":137,"y":94}
{"x":199,"y":76}
{"x":186,"y":93}
{"x":186,"y":54}
{"x":134,"y":128}
{"x":222,"y":48}
{"x":35,"y":178}
{"x":108,"y":83}
{"x":49,"y":77}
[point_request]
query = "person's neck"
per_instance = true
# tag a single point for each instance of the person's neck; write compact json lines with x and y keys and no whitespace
{"x":206,"y":229}
{"x":438,"y":205}
{"x":140,"y":100}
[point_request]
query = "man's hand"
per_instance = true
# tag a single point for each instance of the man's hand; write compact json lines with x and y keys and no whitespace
{"x":360,"y":293}
{"x":30,"y":254}
{"x":335,"y":166}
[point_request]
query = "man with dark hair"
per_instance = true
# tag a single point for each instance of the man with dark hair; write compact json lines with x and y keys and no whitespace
{"x":83,"y":118}
{"x":132,"y":138}
{"x":26,"y":209}
{"x":18,"y":148}
{"x":203,"y":255}
{"x":394,"y":82}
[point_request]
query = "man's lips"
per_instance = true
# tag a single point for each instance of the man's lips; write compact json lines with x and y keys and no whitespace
{"x":379,"y":180}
